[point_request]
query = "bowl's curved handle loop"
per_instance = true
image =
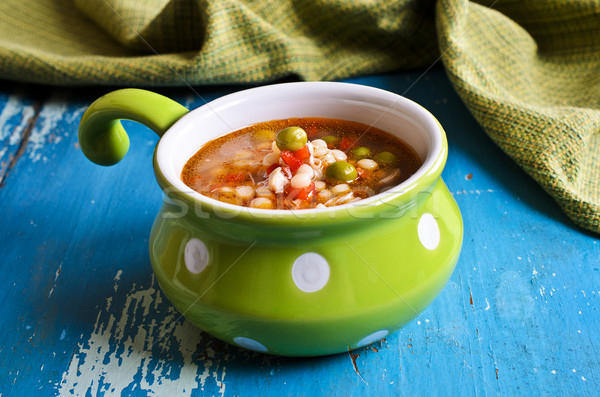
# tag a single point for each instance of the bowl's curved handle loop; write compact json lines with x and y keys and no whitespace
{"x":103,"y":139}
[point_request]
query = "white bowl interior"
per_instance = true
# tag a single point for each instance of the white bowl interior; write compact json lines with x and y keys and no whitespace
{"x":370,"y":106}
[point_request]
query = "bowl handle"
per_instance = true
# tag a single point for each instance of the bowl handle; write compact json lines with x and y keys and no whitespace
{"x":103,"y":139}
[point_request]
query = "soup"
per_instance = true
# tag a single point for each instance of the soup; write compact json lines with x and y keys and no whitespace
{"x":300,"y":163}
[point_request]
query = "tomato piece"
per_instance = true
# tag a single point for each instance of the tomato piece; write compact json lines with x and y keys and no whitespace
{"x":307,"y":192}
{"x":290,"y":160}
{"x":302,"y":154}
{"x":272,"y":168}
{"x":302,"y":193}
{"x":361,"y":172}
{"x":235,"y":177}
{"x":346,"y":143}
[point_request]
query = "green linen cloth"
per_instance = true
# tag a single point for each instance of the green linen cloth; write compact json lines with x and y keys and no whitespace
{"x":528,"y":70}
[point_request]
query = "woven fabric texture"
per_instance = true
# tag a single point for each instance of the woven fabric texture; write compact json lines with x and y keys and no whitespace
{"x":528,"y":70}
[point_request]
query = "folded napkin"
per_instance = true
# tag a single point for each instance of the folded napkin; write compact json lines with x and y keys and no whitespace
{"x":528,"y":70}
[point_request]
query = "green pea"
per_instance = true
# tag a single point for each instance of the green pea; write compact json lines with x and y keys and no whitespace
{"x":360,"y":153}
{"x":331,"y":140}
{"x":385,"y":158}
{"x":291,"y":138}
{"x":341,"y":171}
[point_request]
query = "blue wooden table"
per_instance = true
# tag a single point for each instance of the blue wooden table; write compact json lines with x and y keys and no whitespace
{"x":81,"y":313}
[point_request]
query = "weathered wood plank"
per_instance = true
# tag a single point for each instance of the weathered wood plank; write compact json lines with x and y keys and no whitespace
{"x":18,"y":114}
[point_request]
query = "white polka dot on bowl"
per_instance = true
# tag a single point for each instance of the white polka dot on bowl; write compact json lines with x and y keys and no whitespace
{"x":429,"y":231}
{"x":250,"y":344}
{"x":195,"y":256}
{"x":375,"y":336}
{"x":310,"y":272}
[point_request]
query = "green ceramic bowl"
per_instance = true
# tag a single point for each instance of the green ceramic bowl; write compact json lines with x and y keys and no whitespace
{"x":294,"y":283}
